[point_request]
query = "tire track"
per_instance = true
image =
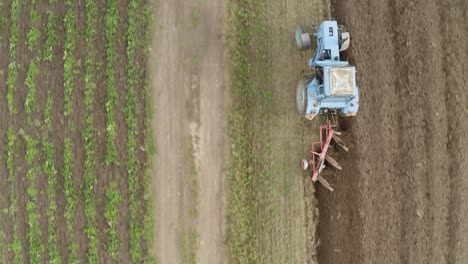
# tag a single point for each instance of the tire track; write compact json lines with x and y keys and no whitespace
{"x":436,"y":202}
{"x":382,"y":231}
{"x":453,"y":65}
{"x":401,"y":81}
{"x":340,"y":213}
{"x":411,"y":115}
{"x":424,"y":76}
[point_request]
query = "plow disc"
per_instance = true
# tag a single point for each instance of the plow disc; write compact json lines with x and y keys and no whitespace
{"x":320,"y":158}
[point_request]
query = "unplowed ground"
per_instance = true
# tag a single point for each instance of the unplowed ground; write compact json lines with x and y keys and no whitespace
{"x":402,"y":195}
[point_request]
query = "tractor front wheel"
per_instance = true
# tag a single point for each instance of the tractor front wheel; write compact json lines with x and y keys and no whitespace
{"x":302,"y":38}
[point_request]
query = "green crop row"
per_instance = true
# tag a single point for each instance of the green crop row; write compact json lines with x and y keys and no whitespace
{"x":48,"y":111}
{"x":12,"y":148}
{"x":12,"y":66}
{"x":111,"y":214}
{"x":33,"y":37}
{"x":47,"y":146}
{"x":111,"y":21}
{"x":32,"y":40}
{"x":130,"y":118}
{"x":138,"y":39}
{"x":51,"y":172}
{"x":69,"y":86}
{"x":33,"y":13}
{"x":70,"y":198}
{"x":88,"y":134}
{"x":30,"y":102}
{"x":34,"y":233}
{"x":69,"y":57}
{"x":51,"y":33}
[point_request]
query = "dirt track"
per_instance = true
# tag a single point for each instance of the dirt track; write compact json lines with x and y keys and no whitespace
{"x":190,"y":106}
{"x":402,"y":196}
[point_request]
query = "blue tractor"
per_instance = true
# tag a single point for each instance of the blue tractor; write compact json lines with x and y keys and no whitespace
{"x":333,"y":86}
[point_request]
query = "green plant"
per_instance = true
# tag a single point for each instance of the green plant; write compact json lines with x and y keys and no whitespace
{"x":111,"y":21}
{"x":30,"y":102}
{"x":69,"y":86}
{"x":51,"y":172}
{"x":88,"y":134}
{"x":12,"y":148}
{"x":51,"y":34}
{"x":33,"y":13}
{"x":34,"y":233}
{"x":138,"y":39}
{"x":12,"y":66}
{"x":70,"y":197}
{"x":33,"y":38}
{"x":68,"y":57}
{"x":48,"y":111}
{"x":111,"y":214}
{"x":48,"y":147}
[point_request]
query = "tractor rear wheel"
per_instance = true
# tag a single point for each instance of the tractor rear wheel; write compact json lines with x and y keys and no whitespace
{"x":301,"y":96}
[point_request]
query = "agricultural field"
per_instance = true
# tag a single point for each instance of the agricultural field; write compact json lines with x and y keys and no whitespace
{"x":74,"y":140}
{"x":401,"y":197}
{"x":87,"y":86}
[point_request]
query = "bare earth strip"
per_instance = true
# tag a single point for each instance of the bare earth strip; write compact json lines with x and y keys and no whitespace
{"x":190,"y":120}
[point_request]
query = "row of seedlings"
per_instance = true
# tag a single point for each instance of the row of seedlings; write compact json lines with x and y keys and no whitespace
{"x":88,"y":133}
{"x":69,"y":86}
{"x":34,"y":231}
{"x":15,"y":245}
{"x":48,"y":147}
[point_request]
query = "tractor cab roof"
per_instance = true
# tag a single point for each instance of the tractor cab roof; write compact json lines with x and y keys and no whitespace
{"x":342,"y":81}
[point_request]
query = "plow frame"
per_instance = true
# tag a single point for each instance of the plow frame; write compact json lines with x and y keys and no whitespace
{"x":319,"y":152}
{"x":318,"y":158}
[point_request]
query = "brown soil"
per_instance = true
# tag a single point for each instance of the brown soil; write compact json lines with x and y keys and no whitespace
{"x":401,"y":196}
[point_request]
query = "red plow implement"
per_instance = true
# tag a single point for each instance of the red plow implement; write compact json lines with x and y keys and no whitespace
{"x":320,"y":157}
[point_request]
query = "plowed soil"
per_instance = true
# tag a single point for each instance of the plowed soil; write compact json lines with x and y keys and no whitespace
{"x":402,"y":195}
